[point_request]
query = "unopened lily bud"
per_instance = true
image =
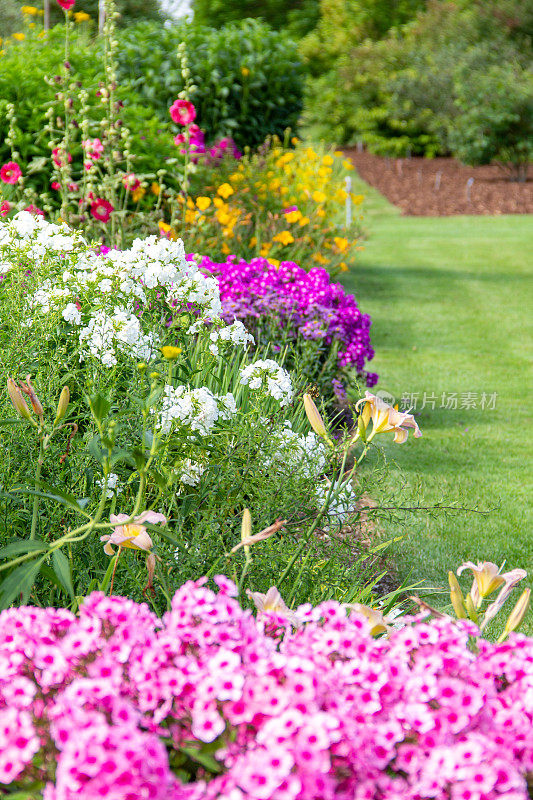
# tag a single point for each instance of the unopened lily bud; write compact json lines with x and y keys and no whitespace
{"x":361,"y":427}
{"x":246,"y":529}
{"x":28,"y":389}
{"x":17,"y":399}
{"x":470,"y":608}
{"x":64,"y":400}
{"x":314,"y":417}
{"x":518,"y":613}
{"x":456,"y":596}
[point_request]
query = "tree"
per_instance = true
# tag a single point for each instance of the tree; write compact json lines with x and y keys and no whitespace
{"x":300,"y":16}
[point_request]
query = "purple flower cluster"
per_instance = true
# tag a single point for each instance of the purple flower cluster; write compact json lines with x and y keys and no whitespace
{"x":223,"y":147}
{"x":91,"y":705}
{"x":306,"y":303}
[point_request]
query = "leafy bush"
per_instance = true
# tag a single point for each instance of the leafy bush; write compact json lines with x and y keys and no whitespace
{"x":208,"y":702}
{"x":298,"y":16}
{"x":248,"y":78}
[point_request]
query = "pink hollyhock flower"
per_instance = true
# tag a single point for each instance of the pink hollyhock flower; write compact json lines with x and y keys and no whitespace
{"x":5,"y":208}
{"x":66,"y":4}
{"x":34,"y":210}
{"x":131,"y":182}
{"x":55,"y":185}
{"x":132,"y":533}
{"x":93,"y":148}
{"x":58,"y":155}
{"x":10,"y":172}
{"x":101,"y":209}
{"x":73,"y":187}
{"x":182,"y":112}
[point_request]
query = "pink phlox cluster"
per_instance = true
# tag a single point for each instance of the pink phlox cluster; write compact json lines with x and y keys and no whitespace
{"x":302,"y":303}
{"x":101,"y":704}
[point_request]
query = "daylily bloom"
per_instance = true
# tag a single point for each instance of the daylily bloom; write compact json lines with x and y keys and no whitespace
{"x":488,"y":577}
{"x":517,"y":614}
{"x":247,"y":538}
{"x":386,"y":418}
{"x":272,"y":603}
{"x":374,"y":617}
{"x":131,"y":533}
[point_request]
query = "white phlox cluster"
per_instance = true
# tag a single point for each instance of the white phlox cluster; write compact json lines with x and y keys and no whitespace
{"x":235,"y":334}
{"x":112,"y":484}
{"x":190,"y":472}
{"x":196,"y":409}
{"x":269,"y":377}
{"x":294,"y":451}
{"x":342,"y":504}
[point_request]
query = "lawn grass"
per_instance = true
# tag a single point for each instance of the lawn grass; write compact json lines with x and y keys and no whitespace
{"x":451,"y":302}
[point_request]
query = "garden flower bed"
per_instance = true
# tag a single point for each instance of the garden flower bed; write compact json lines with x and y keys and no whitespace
{"x":210,"y":702}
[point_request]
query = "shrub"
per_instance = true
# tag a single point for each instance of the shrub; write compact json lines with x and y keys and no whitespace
{"x":248,"y":78}
{"x":209,"y":702}
{"x":299,"y":16}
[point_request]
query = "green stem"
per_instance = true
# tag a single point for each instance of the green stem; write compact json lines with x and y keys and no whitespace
{"x":36,"y":499}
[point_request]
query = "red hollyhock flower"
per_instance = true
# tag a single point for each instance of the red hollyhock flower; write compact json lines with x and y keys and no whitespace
{"x":57,"y":155}
{"x":10,"y":172}
{"x":5,"y":208}
{"x":66,"y":4}
{"x":182,"y":112}
{"x":34,"y":210}
{"x":101,"y":209}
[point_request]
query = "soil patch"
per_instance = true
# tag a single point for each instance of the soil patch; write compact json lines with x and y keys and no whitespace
{"x":441,"y":187}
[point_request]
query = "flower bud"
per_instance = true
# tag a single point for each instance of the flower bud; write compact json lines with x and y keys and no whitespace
{"x":28,"y":389}
{"x":313,"y":415}
{"x":470,"y":608}
{"x":518,"y":613}
{"x":17,"y":399}
{"x":64,"y":399}
{"x":456,"y":596}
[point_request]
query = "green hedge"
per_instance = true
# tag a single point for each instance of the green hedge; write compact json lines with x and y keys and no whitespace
{"x":249,"y":78}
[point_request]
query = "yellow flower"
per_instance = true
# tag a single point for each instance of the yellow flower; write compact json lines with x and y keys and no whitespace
{"x":274,"y":261}
{"x":265,"y":249}
{"x":327,"y":161}
{"x":293,"y":216}
{"x":357,"y":198}
{"x":190,"y":216}
{"x":19,"y":36}
{"x":236,"y":177}
{"x":274,"y":184}
{"x":171,"y":353}
{"x":218,"y":202}
{"x":319,"y":258}
{"x":324,"y":172}
{"x":253,"y":241}
{"x":81,"y":16}
{"x":155,"y":187}
{"x":203,"y":203}
{"x":347,"y":164}
{"x":31,"y":10}
{"x":342,"y":244}
{"x":338,"y":153}
{"x":303,"y":221}
{"x":321,"y":212}
{"x":137,"y":194}
{"x":319,"y":197}
{"x":285,"y":237}
{"x":190,"y":204}
{"x":245,"y":72}
{"x":225,"y":249}
{"x":166,"y":230}
{"x":31,"y":25}
{"x":343,"y":266}
{"x":225,"y":190}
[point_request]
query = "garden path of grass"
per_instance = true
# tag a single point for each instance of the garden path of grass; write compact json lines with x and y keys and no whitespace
{"x":451,"y":301}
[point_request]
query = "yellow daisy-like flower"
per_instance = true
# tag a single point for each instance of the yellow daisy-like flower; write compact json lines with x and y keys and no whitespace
{"x":265,"y":249}
{"x":203,"y":203}
{"x":218,"y":202}
{"x":343,"y":266}
{"x":155,"y":187}
{"x":303,"y":221}
{"x":274,"y":262}
{"x":245,"y":72}
{"x":137,"y":194}
{"x":347,"y":164}
{"x":81,"y":16}
{"x":342,"y":244}
{"x":321,"y":212}
{"x":225,"y":249}
{"x":285,"y":238}
{"x":171,"y":353}
{"x":327,"y":161}
{"x":31,"y":10}
{"x":357,"y":198}
{"x":253,"y":241}
{"x":319,"y":258}
{"x":318,"y":196}
{"x":293,"y":216}
{"x":19,"y":36}
{"x":225,"y":190}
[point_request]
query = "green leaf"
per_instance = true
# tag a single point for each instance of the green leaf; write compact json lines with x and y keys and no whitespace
{"x":20,"y":582}
{"x":62,"y":570}
{"x":205,"y":759}
{"x":99,"y":406}
{"x":22,"y":546}
{"x":64,"y":498}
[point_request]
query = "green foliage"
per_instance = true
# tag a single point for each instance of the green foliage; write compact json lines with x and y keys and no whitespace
{"x":248,"y":78}
{"x":10,"y":17}
{"x":300,"y":16}
{"x":431,"y":85}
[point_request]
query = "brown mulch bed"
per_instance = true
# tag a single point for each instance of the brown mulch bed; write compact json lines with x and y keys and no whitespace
{"x":441,"y":187}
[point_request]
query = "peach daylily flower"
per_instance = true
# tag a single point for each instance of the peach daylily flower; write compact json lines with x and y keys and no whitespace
{"x":131,"y":533}
{"x":488,"y":577}
{"x":272,"y":603}
{"x":386,"y":418}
